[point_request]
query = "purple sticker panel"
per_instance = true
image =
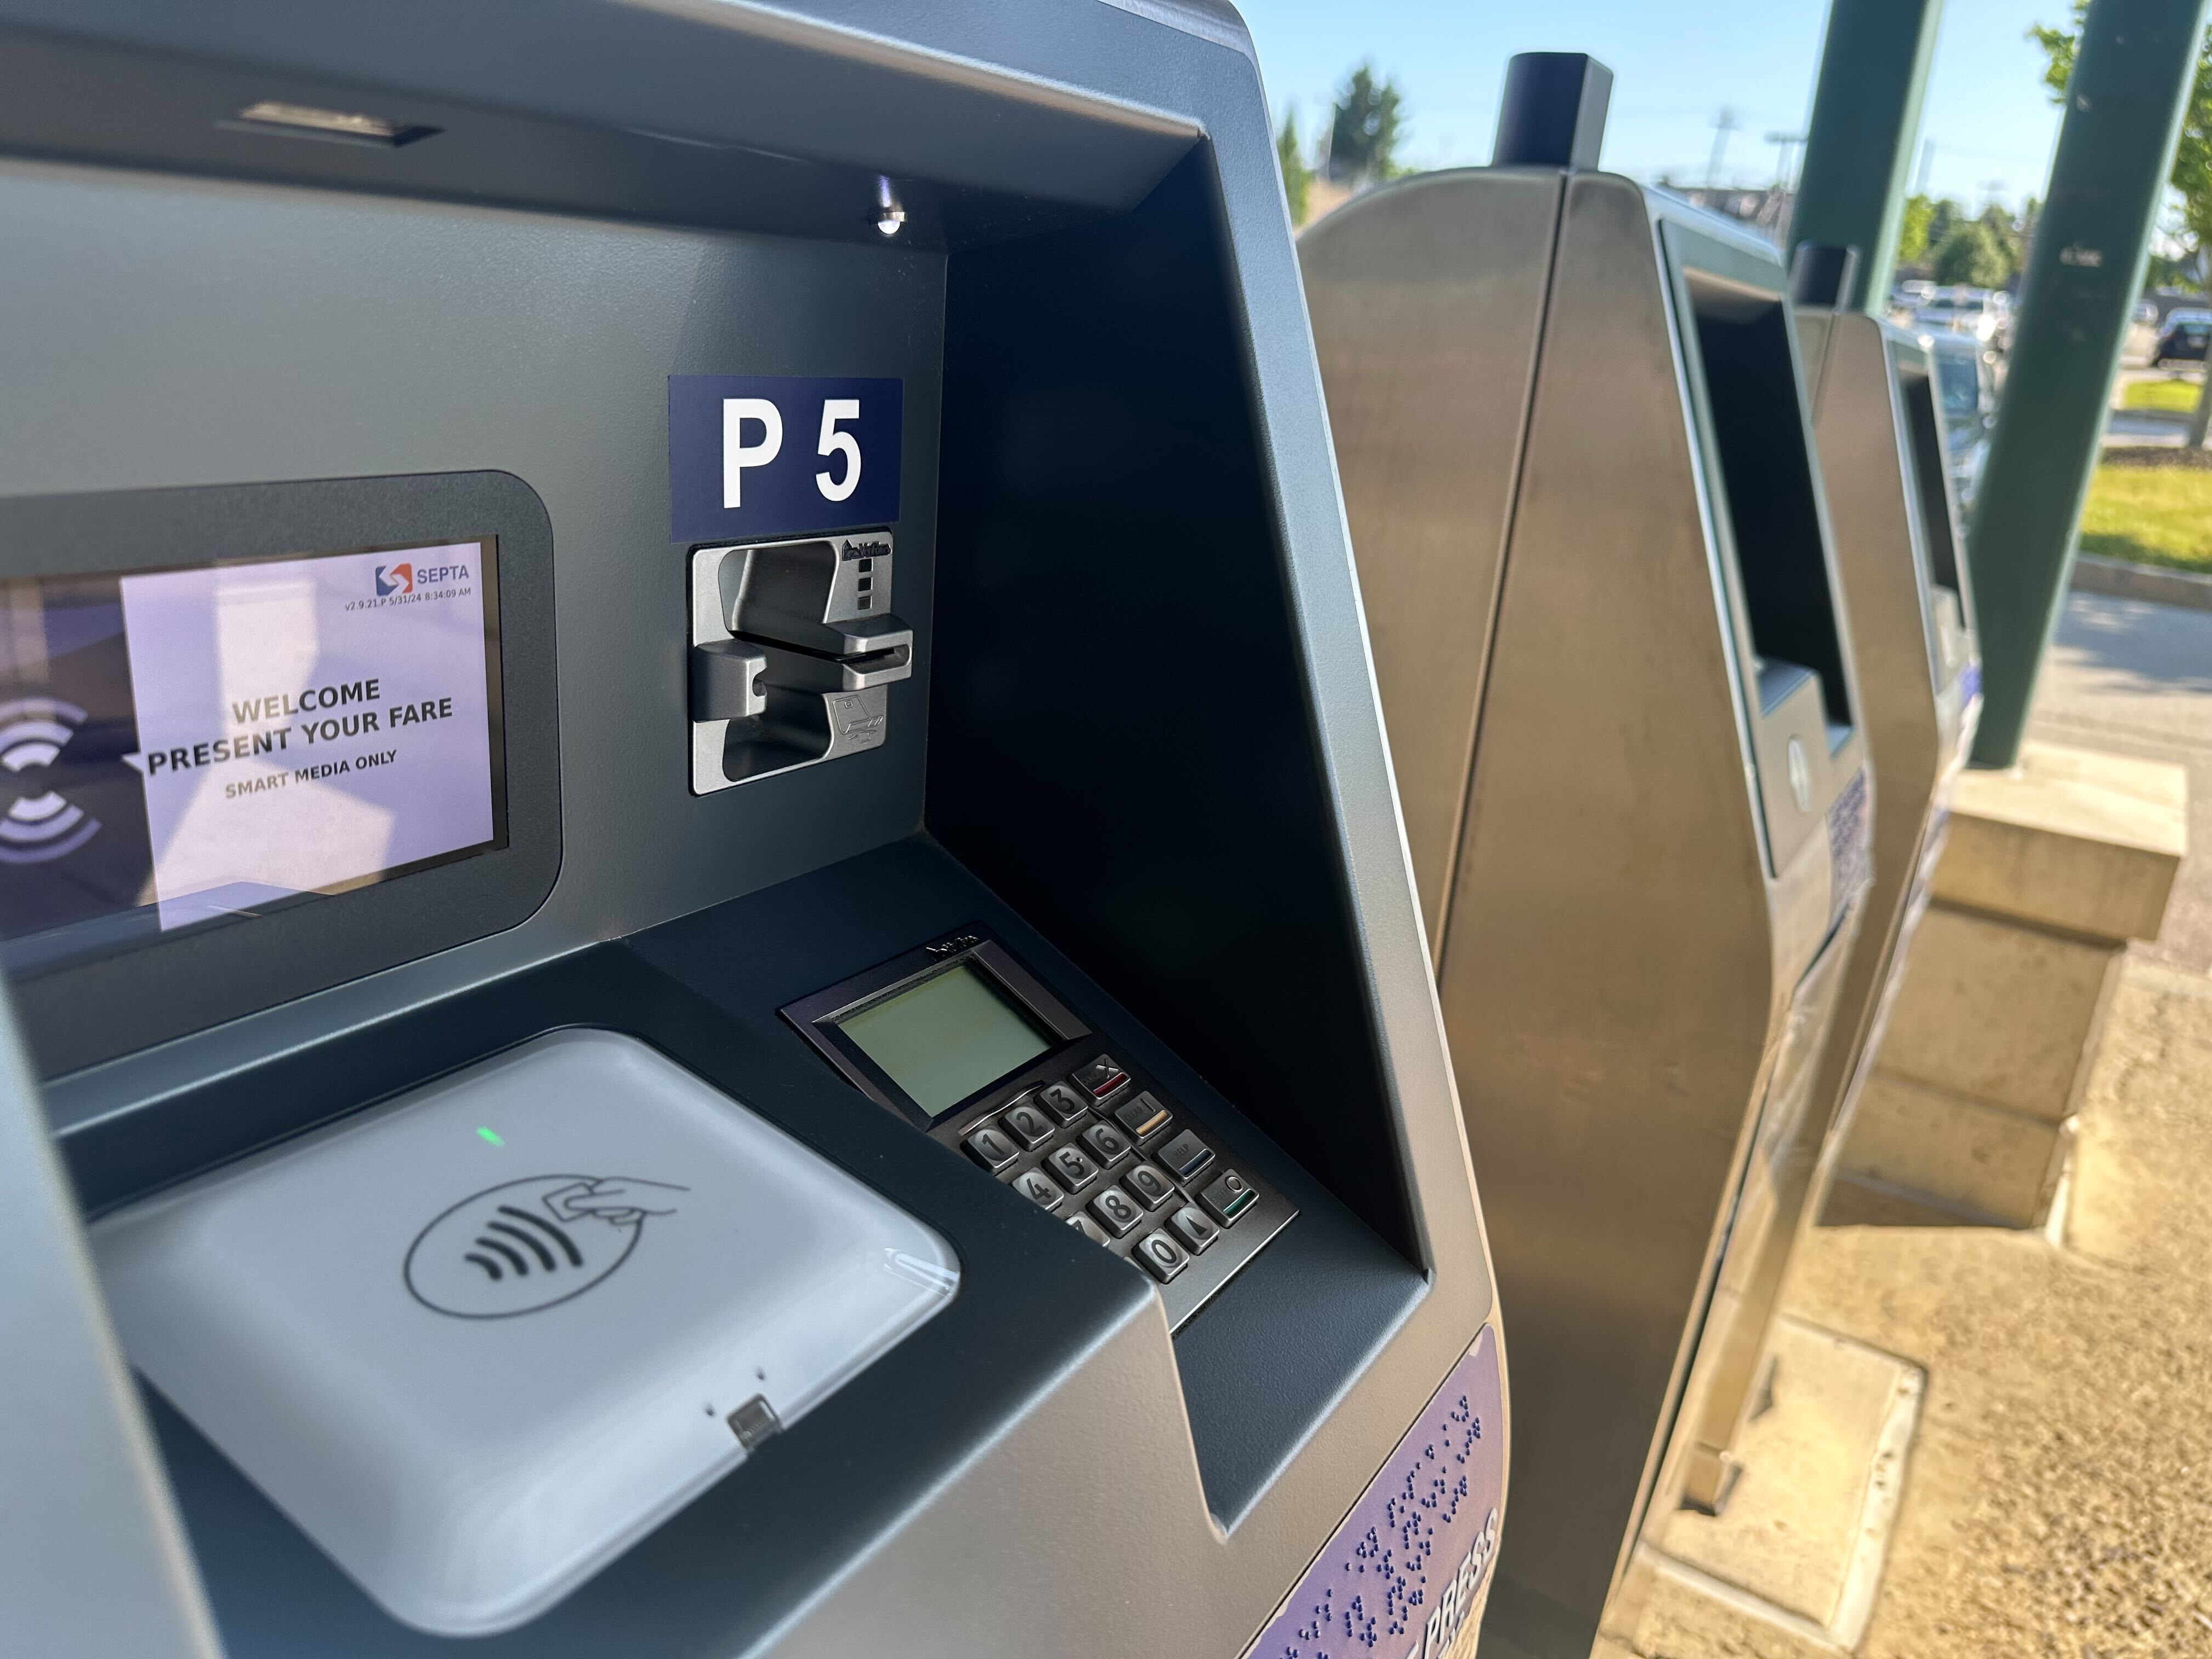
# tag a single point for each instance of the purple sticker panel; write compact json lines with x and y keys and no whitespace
{"x":1403,"y":1574}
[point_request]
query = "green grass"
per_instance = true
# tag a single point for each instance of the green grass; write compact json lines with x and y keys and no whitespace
{"x":2150,"y":515}
{"x":2175,"y":397}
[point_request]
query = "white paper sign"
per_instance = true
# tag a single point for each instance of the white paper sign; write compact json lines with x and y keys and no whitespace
{"x":309,"y":725}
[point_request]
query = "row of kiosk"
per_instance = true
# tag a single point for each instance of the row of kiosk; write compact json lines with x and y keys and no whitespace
{"x":1672,"y":635}
{"x":783,"y":834}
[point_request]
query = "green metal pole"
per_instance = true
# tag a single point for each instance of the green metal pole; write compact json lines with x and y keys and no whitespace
{"x":2124,"y":109}
{"x":1858,"y":150}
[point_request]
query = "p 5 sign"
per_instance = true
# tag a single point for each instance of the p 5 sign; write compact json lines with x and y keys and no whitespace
{"x":752,"y":455}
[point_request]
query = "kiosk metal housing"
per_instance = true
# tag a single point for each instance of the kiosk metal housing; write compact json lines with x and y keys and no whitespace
{"x":284,"y":278}
{"x":1579,"y":472}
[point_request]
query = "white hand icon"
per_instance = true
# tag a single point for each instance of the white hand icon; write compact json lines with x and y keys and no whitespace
{"x":619,"y":1200}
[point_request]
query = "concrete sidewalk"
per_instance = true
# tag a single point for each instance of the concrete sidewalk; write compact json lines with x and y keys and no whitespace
{"x":2057,"y":1494}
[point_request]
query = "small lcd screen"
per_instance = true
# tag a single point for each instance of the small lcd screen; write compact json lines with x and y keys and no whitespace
{"x":944,"y":1039}
{"x":185,"y":746}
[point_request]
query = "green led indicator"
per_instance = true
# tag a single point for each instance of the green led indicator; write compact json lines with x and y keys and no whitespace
{"x":487,"y":1134}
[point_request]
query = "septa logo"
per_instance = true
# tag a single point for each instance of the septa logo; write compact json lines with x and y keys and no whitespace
{"x":394,"y":579}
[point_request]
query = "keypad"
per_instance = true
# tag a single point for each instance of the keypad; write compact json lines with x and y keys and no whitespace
{"x":1117,"y":1212}
{"x":1114,"y":1157}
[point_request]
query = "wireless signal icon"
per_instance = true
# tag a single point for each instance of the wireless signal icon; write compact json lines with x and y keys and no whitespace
{"x":41,"y":827}
{"x":528,"y":1244}
{"x":533,"y":1233}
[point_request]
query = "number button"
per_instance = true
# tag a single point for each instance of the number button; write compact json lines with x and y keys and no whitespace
{"x":1030,"y":1124}
{"x":1162,"y":1256}
{"x":1089,"y":1229}
{"x":991,"y":1148}
{"x":1107,"y":1143}
{"x":1075,"y":1172}
{"x":1037,"y":1186}
{"x":1117,"y":1211}
{"x":1150,"y":1186}
{"x":1063,"y":1102}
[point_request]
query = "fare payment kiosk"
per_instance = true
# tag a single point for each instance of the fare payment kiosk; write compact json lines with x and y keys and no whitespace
{"x":1878,"y":423}
{"x":1578,"y":467}
{"x":641,"y":1022}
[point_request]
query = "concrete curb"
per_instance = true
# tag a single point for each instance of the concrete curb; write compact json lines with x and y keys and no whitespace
{"x":2142,"y":582}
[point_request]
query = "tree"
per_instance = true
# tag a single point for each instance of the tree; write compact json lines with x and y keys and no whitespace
{"x":1297,"y":177}
{"x":2007,"y":237}
{"x":1943,"y":218}
{"x":2192,"y":177}
{"x":1971,"y":257}
{"x":2166,"y":270}
{"x":1912,"y":233}
{"x":1362,"y":135}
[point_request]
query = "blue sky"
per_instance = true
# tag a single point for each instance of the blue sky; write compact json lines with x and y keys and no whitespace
{"x":1673,"y":70}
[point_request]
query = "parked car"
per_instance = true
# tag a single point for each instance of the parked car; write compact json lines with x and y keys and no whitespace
{"x":1966,"y":386}
{"x":1983,"y":313}
{"x":1906,"y":298}
{"x":2183,"y":338}
{"x":2143,"y":333}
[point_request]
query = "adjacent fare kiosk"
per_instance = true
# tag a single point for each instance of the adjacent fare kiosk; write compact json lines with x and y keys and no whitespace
{"x":1578,"y":467}
{"x":1879,"y":421}
{"x":674,"y":1033}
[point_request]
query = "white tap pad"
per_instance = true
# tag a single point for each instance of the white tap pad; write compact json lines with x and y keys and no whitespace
{"x":477,"y":1341}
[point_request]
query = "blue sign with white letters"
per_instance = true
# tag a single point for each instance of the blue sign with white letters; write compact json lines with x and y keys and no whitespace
{"x":755,"y":455}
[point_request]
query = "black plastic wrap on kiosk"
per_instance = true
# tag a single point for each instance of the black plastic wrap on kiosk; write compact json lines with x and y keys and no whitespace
{"x":280,"y":283}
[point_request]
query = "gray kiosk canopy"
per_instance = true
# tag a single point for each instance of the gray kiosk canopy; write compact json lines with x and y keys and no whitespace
{"x":1594,"y":549}
{"x":640,"y":988}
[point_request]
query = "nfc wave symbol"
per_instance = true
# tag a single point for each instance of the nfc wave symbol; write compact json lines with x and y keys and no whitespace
{"x":394,"y":579}
{"x":528,"y":1244}
{"x":40,"y":828}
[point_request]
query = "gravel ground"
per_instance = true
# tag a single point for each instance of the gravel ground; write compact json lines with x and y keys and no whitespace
{"x":2056,"y":1502}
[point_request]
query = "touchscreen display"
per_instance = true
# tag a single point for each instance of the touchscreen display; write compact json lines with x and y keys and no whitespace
{"x":944,"y":1039}
{"x":181,"y":746}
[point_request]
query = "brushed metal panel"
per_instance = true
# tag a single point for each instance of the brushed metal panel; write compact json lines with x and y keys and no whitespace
{"x":1919,"y":713}
{"x":1426,"y":303}
{"x":1574,"y":707}
{"x":1608,"y":979}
